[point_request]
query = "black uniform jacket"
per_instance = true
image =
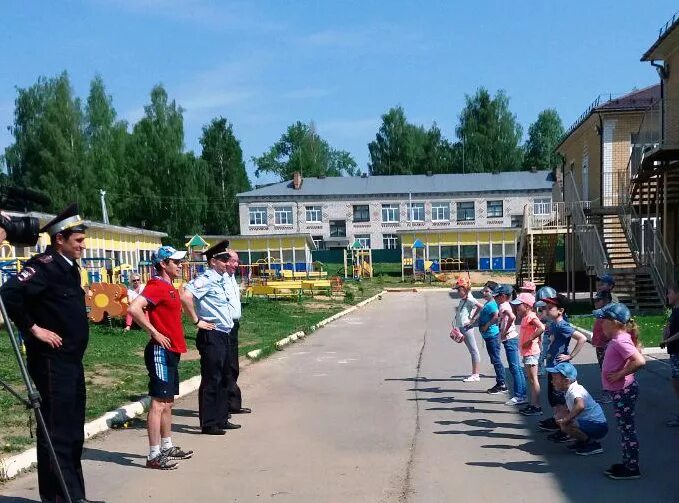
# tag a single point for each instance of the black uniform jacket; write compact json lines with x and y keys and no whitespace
{"x":47,"y":293}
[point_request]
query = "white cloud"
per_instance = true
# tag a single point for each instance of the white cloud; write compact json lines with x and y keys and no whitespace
{"x":210,"y":100}
{"x":357,"y":128}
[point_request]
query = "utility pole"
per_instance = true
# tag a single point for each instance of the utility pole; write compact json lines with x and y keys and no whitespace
{"x":104,"y":213}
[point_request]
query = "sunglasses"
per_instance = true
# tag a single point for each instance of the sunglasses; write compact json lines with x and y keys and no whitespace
{"x":136,"y":280}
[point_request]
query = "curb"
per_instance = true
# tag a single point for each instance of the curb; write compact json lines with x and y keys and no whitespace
{"x":14,"y":465}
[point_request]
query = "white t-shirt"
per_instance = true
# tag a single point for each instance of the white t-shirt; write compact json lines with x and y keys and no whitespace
{"x":464,"y":310}
{"x":506,"y":307}
{"x":592,"y":412}
{"x":131,"y":294}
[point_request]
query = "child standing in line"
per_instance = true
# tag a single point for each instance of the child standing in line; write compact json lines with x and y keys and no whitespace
{"x":671,"y":342}
{"x":561,"y":334}
{"x":621,"y":360}
{"x":465,"y":311}
{"x":487,"y":318}
{"x":527,"y":287}
{"x":510,"y":340}
{"x":599,"y":341}
{"x":546,"y":292}
{"x":530,"y":333}
{"x":585,"y":421}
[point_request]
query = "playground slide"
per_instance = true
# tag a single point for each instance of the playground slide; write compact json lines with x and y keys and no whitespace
{"x":367,"y":269}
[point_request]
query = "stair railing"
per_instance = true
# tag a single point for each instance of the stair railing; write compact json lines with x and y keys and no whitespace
{"x":523,"y":237}
{"x":589,"y":237}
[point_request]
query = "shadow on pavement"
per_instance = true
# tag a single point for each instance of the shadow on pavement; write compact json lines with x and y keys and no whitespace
{"x":482,"y":423}
{"x":483,"y":433}
{"x":473,"y":410}
{"x":119,"y":458}
{"x":516,"y":466}
{"x":452,"y":399}
{"x":184,"y":413}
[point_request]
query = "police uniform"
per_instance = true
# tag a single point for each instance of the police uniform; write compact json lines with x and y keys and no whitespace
{"x":211,"y":302}
{"x":47,"y":293}
{"x":233,"y":292}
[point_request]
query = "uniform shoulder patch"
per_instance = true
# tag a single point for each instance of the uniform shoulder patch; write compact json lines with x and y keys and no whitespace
{"x":26,"y":273}
{"x":45,"y":259}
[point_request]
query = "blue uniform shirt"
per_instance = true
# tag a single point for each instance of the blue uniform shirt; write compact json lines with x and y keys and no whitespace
{"x":211,"y":300}
{"x":561,"y":332}
{"x":489,"y":309}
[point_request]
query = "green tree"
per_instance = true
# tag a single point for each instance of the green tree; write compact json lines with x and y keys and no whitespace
{"x":105,"y":157}
{"x":543,"y":137}
{"x":489,"y":134}
{"x":49,"y":144}
{"x":226,"y":176}
{"x":401,"y":148}
{"x":169,"y":185}
{"x":301,"y":149}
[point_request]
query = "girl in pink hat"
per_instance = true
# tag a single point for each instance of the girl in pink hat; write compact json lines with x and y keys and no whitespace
{"x":530,"y":333}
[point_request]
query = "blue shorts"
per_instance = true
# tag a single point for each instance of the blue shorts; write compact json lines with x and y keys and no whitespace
{"x":594,"y":430}
{"x":163,"y":368}
{"x":674,"y":363}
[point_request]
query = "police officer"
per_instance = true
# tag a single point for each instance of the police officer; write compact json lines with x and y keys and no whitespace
{"x":47,"y":303}
{"x":233,"y":292}
{"x":205,"y":300}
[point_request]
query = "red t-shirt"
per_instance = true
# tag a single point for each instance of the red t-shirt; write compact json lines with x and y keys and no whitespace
{"x":165,"y":312}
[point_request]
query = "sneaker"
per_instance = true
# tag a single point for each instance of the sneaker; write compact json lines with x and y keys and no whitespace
{"x":531,"y":410}
{"x":160,"y":462}
{"x":558,"y":437}
{"x":574,"y":446}
{"x":673,"y":423}
{"x":548,"y":424}
{"x":614,"y":468}
{"x":472,"y":378}
{"x":176,"y":453}
{"x":624,"y":473}
{"x":589,"y":449}
{"x":496,"y":390}
{"x":515,"y":401}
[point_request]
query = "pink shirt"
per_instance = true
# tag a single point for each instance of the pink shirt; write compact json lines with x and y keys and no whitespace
{"x":618,"y":351}
{"x":527,"y":332}
{"x":598,"y":339}
{"x":506,"y":315}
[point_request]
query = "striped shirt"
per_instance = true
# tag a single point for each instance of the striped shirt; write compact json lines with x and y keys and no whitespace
{"x":211,"y":299}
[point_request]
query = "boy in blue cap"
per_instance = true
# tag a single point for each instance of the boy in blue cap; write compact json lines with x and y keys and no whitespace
{"x":606,"y":283}
{"x":585,"y":420}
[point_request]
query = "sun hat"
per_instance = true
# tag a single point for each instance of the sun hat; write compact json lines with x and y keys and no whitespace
{"x":528,"y":286}
{"x":566,"y":369}
{"x":167,"y":253}
{"x":606,"y":278}
{"x":524,"y":298}
{"x":463,"y":282}
{"x":617,"y":312}
{"x":502,"y":290}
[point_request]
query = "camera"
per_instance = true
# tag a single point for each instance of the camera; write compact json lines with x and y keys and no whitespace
{"x":21,"y":230}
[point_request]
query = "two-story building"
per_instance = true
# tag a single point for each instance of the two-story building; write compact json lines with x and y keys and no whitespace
{"x":457,"y":215}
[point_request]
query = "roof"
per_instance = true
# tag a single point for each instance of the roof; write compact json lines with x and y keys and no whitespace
{"x":136,"y":231}
{"x":197,"y":241}
{"x":214,"y":238}
{"x":667,"y":33}
{"x":408,"y":184}
{"x":637,"y":100}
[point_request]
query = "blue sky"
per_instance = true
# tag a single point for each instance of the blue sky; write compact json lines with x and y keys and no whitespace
{"x":266,"y":64}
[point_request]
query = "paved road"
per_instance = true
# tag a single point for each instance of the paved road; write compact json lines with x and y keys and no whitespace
{"x":372,"y":409}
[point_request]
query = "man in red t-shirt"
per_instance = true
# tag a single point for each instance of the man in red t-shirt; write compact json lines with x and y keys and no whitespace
{"x":164,"y":324}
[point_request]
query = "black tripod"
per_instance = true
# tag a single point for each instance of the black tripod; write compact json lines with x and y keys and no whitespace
{"x":33,"y":400}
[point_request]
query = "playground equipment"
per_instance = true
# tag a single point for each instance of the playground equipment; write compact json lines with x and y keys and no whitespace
{"x":360,"y":260}
{"x":104,"y":270}
{"x":106,"y":299}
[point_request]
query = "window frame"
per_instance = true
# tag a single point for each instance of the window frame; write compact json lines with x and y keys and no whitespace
{"x":501,"y":205}
{"x":255,"y":211}
{"x":440,"y":206}
{"x":540,"y":204}
{"x":463,"y":211}
{"x":387,"y":239}
{"x":411,"y":207}
{"x":283,"y":210}
{"x":360,"y":209}
{"x":313,"y":209}
{"x":331,"y":228}
{"x":363,"y":239}
{"x":388,"y":209}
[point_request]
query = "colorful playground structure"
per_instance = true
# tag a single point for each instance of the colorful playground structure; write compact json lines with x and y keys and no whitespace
{"x":358,"y":262}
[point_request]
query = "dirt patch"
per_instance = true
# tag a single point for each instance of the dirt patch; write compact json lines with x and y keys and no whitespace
{"x":479,"y":278}
{"x":191,"y":355}
{"x":102,"y":377}
{"x":318,"y":305}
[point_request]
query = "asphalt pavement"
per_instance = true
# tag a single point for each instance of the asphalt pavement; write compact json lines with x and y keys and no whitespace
{"x":372,"y":408}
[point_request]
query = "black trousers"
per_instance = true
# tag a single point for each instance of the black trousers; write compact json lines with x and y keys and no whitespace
{"x":215,"y":373}
{"x":61,"y":383}
{"x":235,"y":399}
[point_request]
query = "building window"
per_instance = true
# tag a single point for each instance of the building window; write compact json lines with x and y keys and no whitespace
{"x":258,"y":216}
{"x":338,"y":228}
{"x":364,"y":239}
{"x":440,"y":212}
{"x":542,"y":206}
{"x":390,"y":241}
{"x":361,"y":213}
{"x":390,"y":213}
{"x":313,"y":214}
{"x":318,"y":242}
{"x":494,"y":209}
{"x":465,"y":211}
{"x":283,"y":216}
{"x":417,"y":212}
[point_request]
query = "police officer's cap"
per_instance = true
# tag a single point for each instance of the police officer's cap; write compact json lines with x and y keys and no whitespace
{"x":69,"y":219}
{"x":218,"y":250}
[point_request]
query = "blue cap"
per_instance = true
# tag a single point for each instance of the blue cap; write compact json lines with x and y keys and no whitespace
{"x":546,"y":292}
{"x":606,"y":278}
{"x":166,"y":253}
{"x":566,"y":369}
{"x":502,"y":290}
{"x":616,"y":311}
